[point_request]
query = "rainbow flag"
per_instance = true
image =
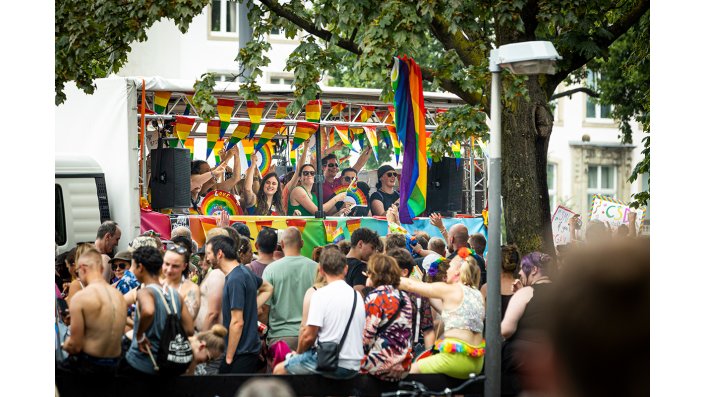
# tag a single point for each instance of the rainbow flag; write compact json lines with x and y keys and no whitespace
{"x":353,"y":192}
{"x":385,"y":136}
{"x":218,"y":147}
{"x":395,"y":141}
{"x":270,"y":129}
{"x":265,"y":154}
{"x":254,"y":111}
{"x":183,"y":127}
{"x":313,"y":111}
{"x":292,"y":153}
{"x":353,"y":224}
{"x":455,"y":147}
{"x":359,"y":135}
{"x":241,"y":131}
{"x":366,"y":111}
{"x":212,"y":136}
{"x":297,"y":223}
{"x":188,"y":144}
{"x":331,"y":137}
{"x":304,"y":130}
{"x":333,"y":232}
{"x":372,"y":137}
{"x":337,"y":107}
{"x":343,"y":132}
{"x":391,"y":114}
{"x":225,"y":112}
{"x":248,"y":147}
{"x":161,"y":100}
{"x":189,"y":100}
{"x":281,"y":110}
{"x":411,"y":126}
{"x":261,"y":224}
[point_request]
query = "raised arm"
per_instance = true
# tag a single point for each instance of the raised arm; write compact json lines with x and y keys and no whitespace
{"x":249,"y":179}
{"x":364,"y":156}
{"x":430,"y":290}
{"x":299,"y":164}
{"x":230,"y":183}
{"x":338,"y":145}
{"x":437,"y":221}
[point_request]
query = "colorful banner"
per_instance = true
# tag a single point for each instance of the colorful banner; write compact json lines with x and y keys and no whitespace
{"x":217,"y":201}
{"x":411,"y":127}
{"x":304,"y":130}
{"x":337,"y":107}
{"x":270,"y":129}
{"x":353,"y":224}
{"x":390,"y":115}
{"x":371,"y":133}
{"x":559,"y":225}
{"x":248,"y":147}
{"x":219,"y":145}
{"x":292,"y":153}
{"x":395,"y":141}
{"x":225,"y":112}
{"x":241,"y":131}
{"x":331,"y":137}
{"x":161,"y":100}
{"x":281,"y":110}
{"x":366,"y":112}
{"x":212,"y":136}
{"x":189,"y":145}
{"x":343,"y":132}
{"x":614,"y":212}
{"x":384,"y":134}
{"x":183,"y":127}
{"x":333,"y":232}
{"x":264,"y":157}
{"x":313,"y":111}
{"x":263,"y":223}
{"x":254,"y":111}
{"x":297,"y":223}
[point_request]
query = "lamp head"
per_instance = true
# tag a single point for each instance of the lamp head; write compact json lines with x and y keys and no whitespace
{"x":526,"y":58}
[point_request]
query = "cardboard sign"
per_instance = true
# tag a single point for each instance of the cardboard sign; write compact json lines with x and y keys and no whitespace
{"x":181,"y":220}
{"x":614,"y":212}
{"x":559,"y":224}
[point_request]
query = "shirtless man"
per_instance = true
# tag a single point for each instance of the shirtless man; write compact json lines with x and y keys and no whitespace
{"x":97,"y":320}
{"x":211,"y":299}
{"x":106,"y":240}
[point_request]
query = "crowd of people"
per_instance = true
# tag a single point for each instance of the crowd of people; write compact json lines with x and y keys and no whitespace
{"x":390,"y":308}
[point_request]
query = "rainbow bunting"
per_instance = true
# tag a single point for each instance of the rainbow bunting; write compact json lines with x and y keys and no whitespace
{"x":411,"y":127}
{"x":297,"y":223}
{"x":219,"y":145}
{"x":304,"y":130}
{"x":261,"y":224}
{"x":188,"y":144}
{"x":395,"y":141}
{"x":353,"y":224}
{"x":385,"y":136}
{"x":359,"y":135}
{"x":270,"y":129}
{"x":241,"y":131}
{"x":390,"y":109}
{"x":225,"y":112}
{"x":366,"y":112}
{"x":161,"y":100}
{"x":292,"y":154}
{"x":264,"y":160}
{"x":343,"y":132}
{"x":372,"y":137}
{"x":189,"y":100}
{"x":248,"y":147}
{"x":337,"y":107}
{"x":212,"y":135}
{"x":183,"y":127}
{"x":313,"y":111}
{"x":281,"y":110}
{"x":331,"y":137}
{"x":455,"y":147}
{"x":333,"y":232}
{"x":207,"y":224}
{"x":254,"y":111}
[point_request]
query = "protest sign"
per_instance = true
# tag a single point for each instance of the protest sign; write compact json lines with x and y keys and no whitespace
{"x":559,"y":224}
{"x":614,"y":212}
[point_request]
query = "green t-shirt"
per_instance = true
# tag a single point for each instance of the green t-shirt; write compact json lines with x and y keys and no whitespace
{"x":300,"y":207}
{"x":291,"y":276}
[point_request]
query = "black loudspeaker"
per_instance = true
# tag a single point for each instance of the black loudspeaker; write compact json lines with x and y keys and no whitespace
{"x":171,"y":178}
{"x":444,"y":192}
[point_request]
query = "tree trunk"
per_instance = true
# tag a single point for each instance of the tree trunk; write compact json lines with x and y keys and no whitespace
{"x":526,"y":131}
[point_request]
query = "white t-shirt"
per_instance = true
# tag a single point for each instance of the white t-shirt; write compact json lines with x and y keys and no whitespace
{"x":330,"y":309}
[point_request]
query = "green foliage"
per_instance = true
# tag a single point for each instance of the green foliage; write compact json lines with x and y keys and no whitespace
{"x":203,"y":98}
{"x":92,"y":37}
{"x":458,"y":124}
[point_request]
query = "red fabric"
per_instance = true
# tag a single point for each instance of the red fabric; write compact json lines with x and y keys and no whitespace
{"x":160,"y":223}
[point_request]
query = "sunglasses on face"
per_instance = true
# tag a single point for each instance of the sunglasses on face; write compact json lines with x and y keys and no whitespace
{"x":151,"y":233}
{"x":348,"y":178}
{"x":308,"y":173}
{"x":121,"y":265}
{"x":391,"y":174}
{"x":333,"y":165}
{"x":176,"y":248}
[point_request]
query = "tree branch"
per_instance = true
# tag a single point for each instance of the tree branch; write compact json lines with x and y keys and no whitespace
{"x":455,"y":41}
{"x":574,"y":91}
{"x":429,"y":74}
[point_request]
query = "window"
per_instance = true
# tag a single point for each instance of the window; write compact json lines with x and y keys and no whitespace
{"x":602,"y":180}
{"x":281,"y":80}
{"x":59,"y":216}
{"x":224,"y":76}
{"x":551,"y":182}
{"x":224,"y":17}
{"x":594,"y":110}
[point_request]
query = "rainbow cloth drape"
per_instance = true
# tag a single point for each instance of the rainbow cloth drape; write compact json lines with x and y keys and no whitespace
{"x":411,"y":129}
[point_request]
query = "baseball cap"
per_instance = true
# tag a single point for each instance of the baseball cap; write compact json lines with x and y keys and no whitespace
{"x":430,"y":258}
{"x":242,"y":229}
{"x":384,"y":169}
{"x":122,"y":256}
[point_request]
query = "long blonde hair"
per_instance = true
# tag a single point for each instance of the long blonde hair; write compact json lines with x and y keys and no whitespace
{"x":214,"y":340}
{"x":469,"y":270}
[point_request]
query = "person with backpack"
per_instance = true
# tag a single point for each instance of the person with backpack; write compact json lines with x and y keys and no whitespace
{"x":160,"y":343}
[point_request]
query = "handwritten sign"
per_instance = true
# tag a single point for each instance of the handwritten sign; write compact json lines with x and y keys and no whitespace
{"x":559,"y":223}
{"x":614,"y":212}
{"x":181,"y":220}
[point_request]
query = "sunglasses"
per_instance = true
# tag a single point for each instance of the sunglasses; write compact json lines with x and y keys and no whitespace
{"x":176,"y":248}
{"x":308,"y":173}
{"x":151,"y":233}
{"x":121,"y":265}
{"x":333,"y":165}
{"x":391,"y":174}
{"x":348,"y":178}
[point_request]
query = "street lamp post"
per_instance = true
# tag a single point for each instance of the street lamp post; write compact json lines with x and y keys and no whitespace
{"x":527,"y":58}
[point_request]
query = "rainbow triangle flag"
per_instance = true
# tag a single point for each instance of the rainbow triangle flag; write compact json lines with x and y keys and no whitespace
{"x":292,"y":153}
{"x":353,"y":224}
{"x":366,"y":111}
{"x":395,"y":141}
{"x":262,"y":224}
{"x":331,"y":137}
{"x":411,"y":127}
{"x":225,"y":112}
{"x":212,"y":136}
{"x":183,"y":127}
{"x":372,"y":137}
{"x":333,"y":232}
{"x":161,"y":100}
{"x":455,"y":147}
{"x":189,"y":100}
{"x":254,"y":111}
{"x":313,"y":111}
{"x":304,"y":130}
{"x":281,"y":110}
{"x":248,"y":147}
{"x":241,"y":131}
{"x":218,"y":147}
{"x":384,"y":134}
{"x":270,"y":129}
{"x":343,"y":133}
{"x":359,"y":134}
{"x":297,"y":223}
{"x":189,"y":145}
{"x":390,"y":114}
{"x":337,"y":107}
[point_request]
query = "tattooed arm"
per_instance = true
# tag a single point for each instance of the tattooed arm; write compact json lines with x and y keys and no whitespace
{"x":192,"y":300}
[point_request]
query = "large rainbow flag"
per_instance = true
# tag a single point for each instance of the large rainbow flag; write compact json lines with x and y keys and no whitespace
{"x":411,"y":128}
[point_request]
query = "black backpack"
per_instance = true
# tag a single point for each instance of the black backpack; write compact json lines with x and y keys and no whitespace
{"x":174,"y":355}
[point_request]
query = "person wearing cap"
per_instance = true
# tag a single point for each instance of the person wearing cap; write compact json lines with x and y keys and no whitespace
{"x":331,"y":166}
{"x":385,"y":196}
{"x":124,"y":280}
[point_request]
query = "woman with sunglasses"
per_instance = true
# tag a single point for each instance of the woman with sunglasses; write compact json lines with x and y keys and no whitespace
{"x":385,"y":196}
{"x":175,"y":266}
{"x":303,"y":202}
{"x":268,"y":200}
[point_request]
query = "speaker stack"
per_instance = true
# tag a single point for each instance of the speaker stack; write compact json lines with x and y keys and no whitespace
{"x":171,"y":178}
{"x":444,"y":192}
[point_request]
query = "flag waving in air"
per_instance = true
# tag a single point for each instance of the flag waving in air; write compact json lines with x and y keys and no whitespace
{"x":304,"y":130}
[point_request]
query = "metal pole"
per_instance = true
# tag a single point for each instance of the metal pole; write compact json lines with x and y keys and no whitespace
{"x":319,"y":175}
{"x":244,"y":33}
{"x":493,"y":338}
